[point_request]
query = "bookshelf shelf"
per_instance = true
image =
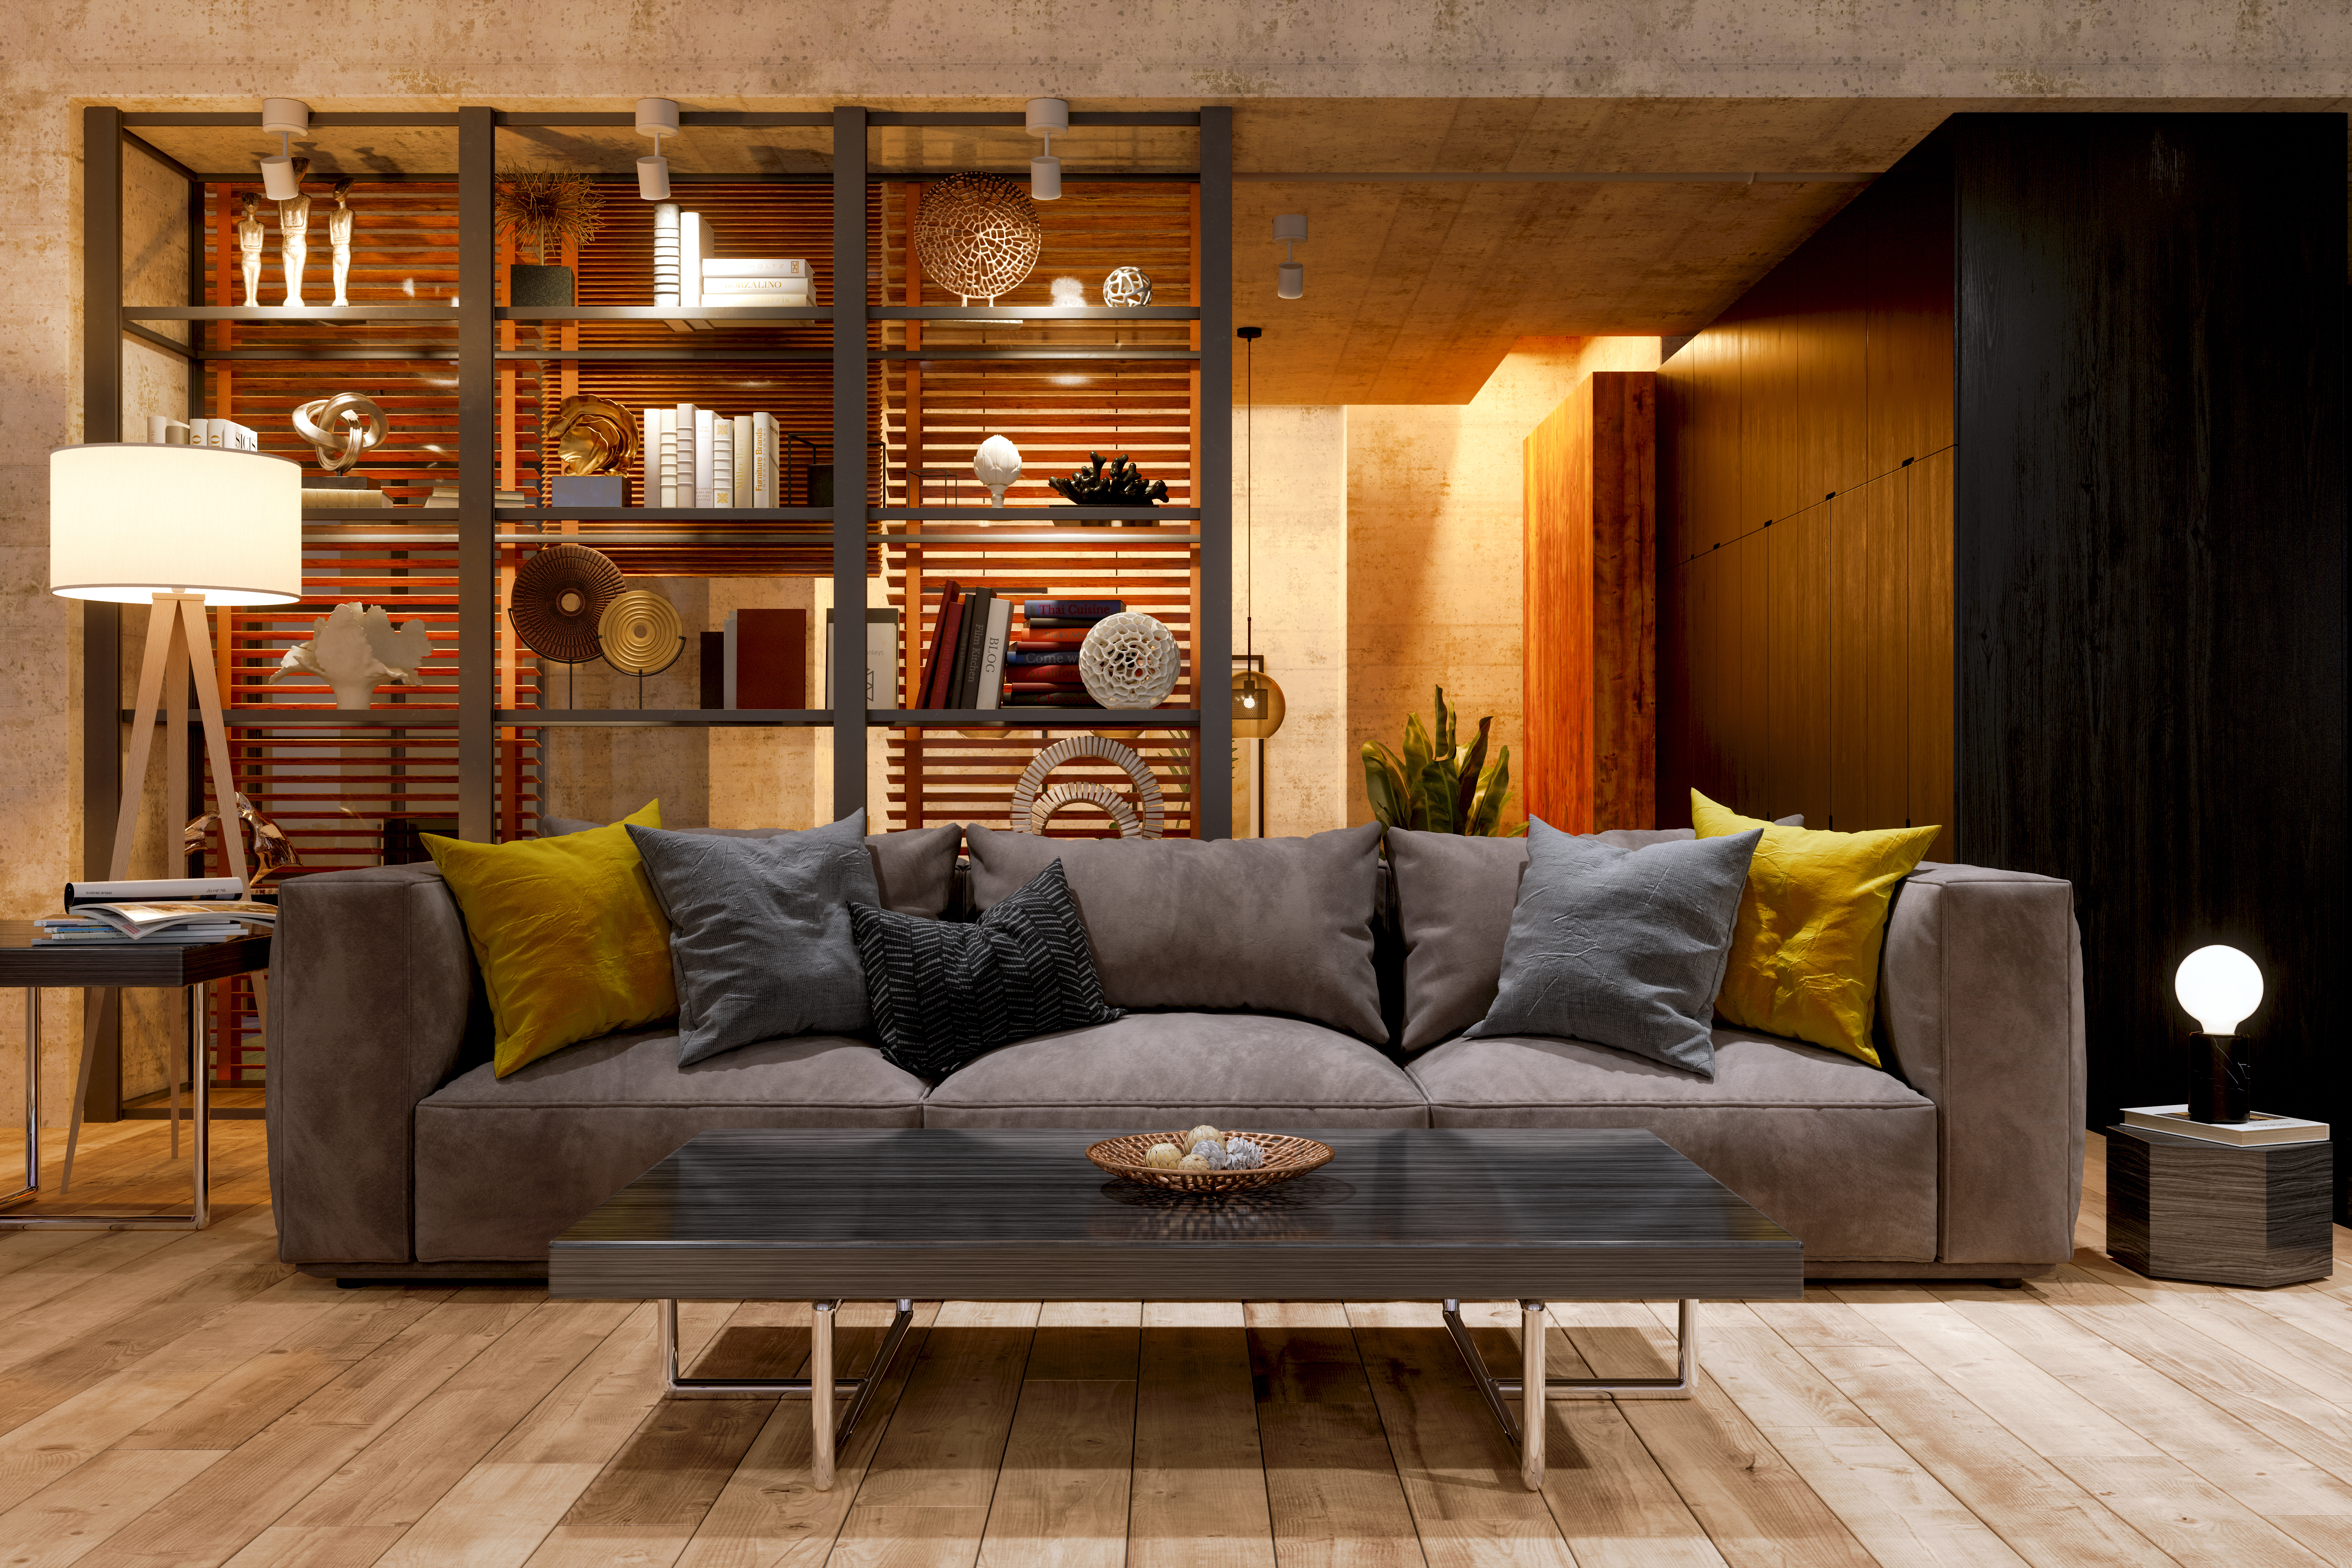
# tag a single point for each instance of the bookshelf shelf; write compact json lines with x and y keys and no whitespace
{"x":1042,"y":352}
{"x":1003,"y":315}
{"x":266,"y":314}
{"x":650,"y":353}
{"x":292,"y":718}
{"x":749,"y":314}
{"x":1030,"y":513}
{"x":666,"y":718}
{"x":666,"y":514}
{"x":1035,"y":718}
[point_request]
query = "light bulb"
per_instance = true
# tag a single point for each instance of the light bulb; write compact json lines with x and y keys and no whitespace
{"x":2219,"y":987}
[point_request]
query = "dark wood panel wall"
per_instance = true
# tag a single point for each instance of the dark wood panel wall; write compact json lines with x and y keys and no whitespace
{"x":1804,"y":470}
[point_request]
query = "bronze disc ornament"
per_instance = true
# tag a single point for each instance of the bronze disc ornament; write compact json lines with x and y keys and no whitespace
{"x":560,"y":595}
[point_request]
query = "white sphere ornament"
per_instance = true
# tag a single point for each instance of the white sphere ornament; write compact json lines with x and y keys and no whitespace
{"x":996,"y":465}
{"x":1127,"y":286}
{"x":1130,"y":661}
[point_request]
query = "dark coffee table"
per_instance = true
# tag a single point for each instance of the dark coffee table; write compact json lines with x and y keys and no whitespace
{"x":1435,"y":1213}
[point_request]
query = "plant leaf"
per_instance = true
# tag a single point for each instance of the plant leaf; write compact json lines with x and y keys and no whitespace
{"x":1494,"y":795}
{"x":1436,"y":794}
{"x":1466,"y":797}
{"x":1384,"y":784}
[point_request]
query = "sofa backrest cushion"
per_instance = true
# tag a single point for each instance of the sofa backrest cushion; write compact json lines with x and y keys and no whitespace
{"x":916,"y":871}
{"x":1276,"y":925}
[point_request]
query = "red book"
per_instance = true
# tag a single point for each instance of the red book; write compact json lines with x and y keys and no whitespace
{"x":1044,"y":674}
{"x":769,"y":659}
{"x":944,"y":637}
{"x":1049,"y":642}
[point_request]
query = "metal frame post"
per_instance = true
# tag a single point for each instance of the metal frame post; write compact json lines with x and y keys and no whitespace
{"x":850,"y":382}
{"x":478,"y":475}
{"x":1212,"y":639}
{"x":101,"y":625}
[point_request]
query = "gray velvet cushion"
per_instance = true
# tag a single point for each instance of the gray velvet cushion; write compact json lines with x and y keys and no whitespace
{"x":1622,"y":947}
{"x":760,"y":937}
{"x":505,"y":1166}
{"x":1841,"y":1153}
{"x":915,"y":870}
{"x":1280,"y":925}
{"x":1153,"y":1071}
{"x":1454,"y":896}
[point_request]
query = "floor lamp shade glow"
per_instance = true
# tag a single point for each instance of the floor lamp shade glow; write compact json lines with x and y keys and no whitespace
{"x":128,"y":520}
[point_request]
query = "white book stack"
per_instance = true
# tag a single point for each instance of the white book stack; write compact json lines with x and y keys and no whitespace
{"x":757,"y":280}
{"x":722,"y":461}
{"x":697,"y":457}
{"x":226,"y":433}
{"x":665,"y":253}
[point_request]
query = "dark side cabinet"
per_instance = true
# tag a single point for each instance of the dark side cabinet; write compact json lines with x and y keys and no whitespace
{"x":2183,"y":1208}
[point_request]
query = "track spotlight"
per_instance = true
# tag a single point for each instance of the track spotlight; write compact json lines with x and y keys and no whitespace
{"x":657,"y":118}
{"x":1290,"y":276}
{"x":289,"y":118}
{"x":1047,"y":117}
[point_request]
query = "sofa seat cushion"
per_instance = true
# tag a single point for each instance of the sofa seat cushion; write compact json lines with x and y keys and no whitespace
{"x":1152,"y":1070}
{"x":504,"y":1165}
{"x":1841,"y":1154}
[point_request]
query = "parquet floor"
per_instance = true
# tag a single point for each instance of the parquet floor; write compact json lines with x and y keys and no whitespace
{"x":169,"y":1399}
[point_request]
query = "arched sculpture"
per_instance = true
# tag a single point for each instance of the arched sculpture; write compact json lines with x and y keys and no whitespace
{"x":1032,"y":809}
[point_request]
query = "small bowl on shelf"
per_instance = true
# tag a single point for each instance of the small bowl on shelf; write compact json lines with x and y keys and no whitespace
{"x":1285,"y":1157}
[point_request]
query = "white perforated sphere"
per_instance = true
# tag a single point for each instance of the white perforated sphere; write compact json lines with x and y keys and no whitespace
{"x":1130,"y":661}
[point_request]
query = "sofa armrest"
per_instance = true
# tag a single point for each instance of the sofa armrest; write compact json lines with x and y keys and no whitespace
{"x":1981,"y":1007}
{"x":371,"y":989}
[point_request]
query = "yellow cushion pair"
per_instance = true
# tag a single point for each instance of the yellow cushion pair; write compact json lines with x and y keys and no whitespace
{"x":1804,"y":951}
{"x":571,"y":942}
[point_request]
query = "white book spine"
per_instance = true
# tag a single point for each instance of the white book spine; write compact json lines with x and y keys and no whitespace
{"x":722,"y":461}
{"x":649,"y":454}
{"x":693,"y":245}
{"x":882,"y":661}
{"x":761,"y":286}
{"x":763,"y":460}
{"x":991,"y":654}
{"x":665,"y":253}
{"x":681,"y":455}
{"x":703,"y":473}
{"x":741,"y":449}
{"x":753,"y":266}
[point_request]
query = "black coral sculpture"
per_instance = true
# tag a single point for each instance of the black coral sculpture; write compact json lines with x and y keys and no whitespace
{"x":1117,"y":483}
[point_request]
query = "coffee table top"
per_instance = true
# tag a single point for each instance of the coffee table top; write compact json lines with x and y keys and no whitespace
{"x":1008,"y":1215}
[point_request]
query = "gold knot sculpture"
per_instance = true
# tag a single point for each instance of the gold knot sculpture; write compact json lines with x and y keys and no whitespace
{"x":595,"y":436}
{"x":341,"y":427}
{"x":978,"y":236}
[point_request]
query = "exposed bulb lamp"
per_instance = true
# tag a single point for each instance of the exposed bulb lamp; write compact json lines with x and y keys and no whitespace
{"x":1290,"y":277}
{"x":1259,"y":706}
{"x":1047,"y":118}
{"x":657,"y":118}
{"x":2220,"y":988}
{"x":287,"y":118}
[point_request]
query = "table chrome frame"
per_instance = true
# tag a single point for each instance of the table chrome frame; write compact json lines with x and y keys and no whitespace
{"x":826,"y":1440}
{"x":200,"y":1134}
{"x":1532,"y":1386}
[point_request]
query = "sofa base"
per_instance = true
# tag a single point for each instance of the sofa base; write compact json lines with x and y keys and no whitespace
{"x":483,"y":1273}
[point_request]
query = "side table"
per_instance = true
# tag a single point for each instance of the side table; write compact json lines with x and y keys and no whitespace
{"x":35,"y":965}
{"x":2220,"y":1214}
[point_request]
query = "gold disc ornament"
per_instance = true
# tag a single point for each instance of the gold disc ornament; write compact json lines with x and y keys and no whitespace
{"x":640,"y":633}
{"x":559,"y":597}
{"x":978,"y":236}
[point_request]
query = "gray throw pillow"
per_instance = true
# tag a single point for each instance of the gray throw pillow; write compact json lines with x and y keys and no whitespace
{"x":759,"y":932}
{"x":1622,"y":947}
{"x":915,"y":869}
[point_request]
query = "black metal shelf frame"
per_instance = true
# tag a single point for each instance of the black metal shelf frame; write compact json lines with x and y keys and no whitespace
{"x":474,"y":524}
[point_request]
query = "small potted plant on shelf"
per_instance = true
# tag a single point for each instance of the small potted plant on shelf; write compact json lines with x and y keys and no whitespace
{"x":540,"y":205}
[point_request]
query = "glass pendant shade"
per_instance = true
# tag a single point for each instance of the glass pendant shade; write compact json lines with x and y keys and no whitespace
{"x":128,"y":520}
{"x":1259,"y":706}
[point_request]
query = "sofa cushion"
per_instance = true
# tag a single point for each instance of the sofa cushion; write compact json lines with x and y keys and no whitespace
{"x":503,"y":1165}
{"x":1278,"y":925}
{"x":1153,"y":1071}
{"x":915,"y":870}
{"x":1841,"y":1154}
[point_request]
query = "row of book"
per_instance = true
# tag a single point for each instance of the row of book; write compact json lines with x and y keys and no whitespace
{"x":686,"y":274}
{"x":165,"y":431}
{"x":695,"y":458}
{"x":979,"y":659}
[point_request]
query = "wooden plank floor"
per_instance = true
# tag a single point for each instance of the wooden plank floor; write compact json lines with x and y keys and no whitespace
{"x":177,"y":1398}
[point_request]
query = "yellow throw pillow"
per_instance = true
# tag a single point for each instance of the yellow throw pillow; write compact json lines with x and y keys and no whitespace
{"x":1804,"y":951}
{"x":571,"y":942}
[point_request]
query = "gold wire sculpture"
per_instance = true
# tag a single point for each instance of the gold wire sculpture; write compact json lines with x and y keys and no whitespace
{"x":595,"y":436}
{"x":978,"y":236}
{"x":541,"y":206}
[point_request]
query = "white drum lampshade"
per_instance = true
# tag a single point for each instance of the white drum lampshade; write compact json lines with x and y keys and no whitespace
{"x":130,"y":521}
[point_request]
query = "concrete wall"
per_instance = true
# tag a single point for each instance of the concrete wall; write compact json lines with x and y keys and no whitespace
{"x":1295,"y":576}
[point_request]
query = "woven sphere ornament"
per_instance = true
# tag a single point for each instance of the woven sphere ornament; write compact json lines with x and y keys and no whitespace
{"x":1127,"y":287}
{"x":978,"y":236}
{"x":1130,"y":661}
{"x":558,"y":596}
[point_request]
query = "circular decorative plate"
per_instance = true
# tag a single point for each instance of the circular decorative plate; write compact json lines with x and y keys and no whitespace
{"x":1285,"y":1157}
{"x":558,"y":596}
{"x":640,"y":634}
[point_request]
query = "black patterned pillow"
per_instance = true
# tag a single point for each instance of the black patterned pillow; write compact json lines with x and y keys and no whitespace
{"x":943,"y":993}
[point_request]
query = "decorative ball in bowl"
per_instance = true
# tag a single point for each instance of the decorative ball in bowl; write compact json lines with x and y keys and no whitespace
{"x":1206,"y":1160}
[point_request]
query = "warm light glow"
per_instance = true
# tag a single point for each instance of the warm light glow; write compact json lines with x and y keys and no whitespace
{"x":2220,"y":988}
{"x":130,"y":521}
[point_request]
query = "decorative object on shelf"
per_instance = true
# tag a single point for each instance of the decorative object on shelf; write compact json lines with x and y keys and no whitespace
{"x":294,"y":235}
{"x":1118,"y":483}
{"x":1031,"y":810}
{"x":595,"y":436}
{"x":1280,"y":1158}
{"x":1438,"y":786}
{"x":978,"y":236}
{"x":657,"y":118}
{"x":273,"y":852}
{"x":1130,"y":661}
{"x":285,"y":118}
{"x":339,"y":235}
{"x":540,"y":206}
{"x":252,"y":233}
{"x":1127,"y":287}
{"x":1290,"y":276}
{"x":354,"y":649}
{"x":639,"y":634}
{"x":2220,"y":988}
{"x":341,"y":427}
{"x":559,"y":597}
{"x":1047,"y":117}
{"x":996,"y":465}
{"x":1069,"y":293}
{"x":1258,"y":707}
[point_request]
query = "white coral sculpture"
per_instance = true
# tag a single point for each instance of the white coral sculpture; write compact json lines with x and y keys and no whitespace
{"x":353,"y":648}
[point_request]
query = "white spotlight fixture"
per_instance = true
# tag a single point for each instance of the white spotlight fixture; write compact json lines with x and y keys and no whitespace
{"x":1047,"y":118}
{"x":289,"y":118}
{"x":1289,"y":229}
{"x":657,"y":118}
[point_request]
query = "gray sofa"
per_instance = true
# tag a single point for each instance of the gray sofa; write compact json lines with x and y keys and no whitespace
{"x":1288,"y":984}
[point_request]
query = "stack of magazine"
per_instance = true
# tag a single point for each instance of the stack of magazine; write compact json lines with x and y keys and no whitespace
{"x":187,"y":912}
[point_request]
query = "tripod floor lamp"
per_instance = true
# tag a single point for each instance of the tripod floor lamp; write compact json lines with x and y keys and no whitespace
{"x":177,"y":529}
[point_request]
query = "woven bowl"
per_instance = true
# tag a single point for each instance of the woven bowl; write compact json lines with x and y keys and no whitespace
{"x":1284,"y":1157}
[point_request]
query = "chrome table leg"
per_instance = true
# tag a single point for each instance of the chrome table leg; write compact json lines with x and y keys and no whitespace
{"x":822,"y":1385}
{"x":1533,"y":1386}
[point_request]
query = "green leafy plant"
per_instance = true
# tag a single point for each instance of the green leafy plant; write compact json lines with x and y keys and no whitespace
{"x":1438,"y":785}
